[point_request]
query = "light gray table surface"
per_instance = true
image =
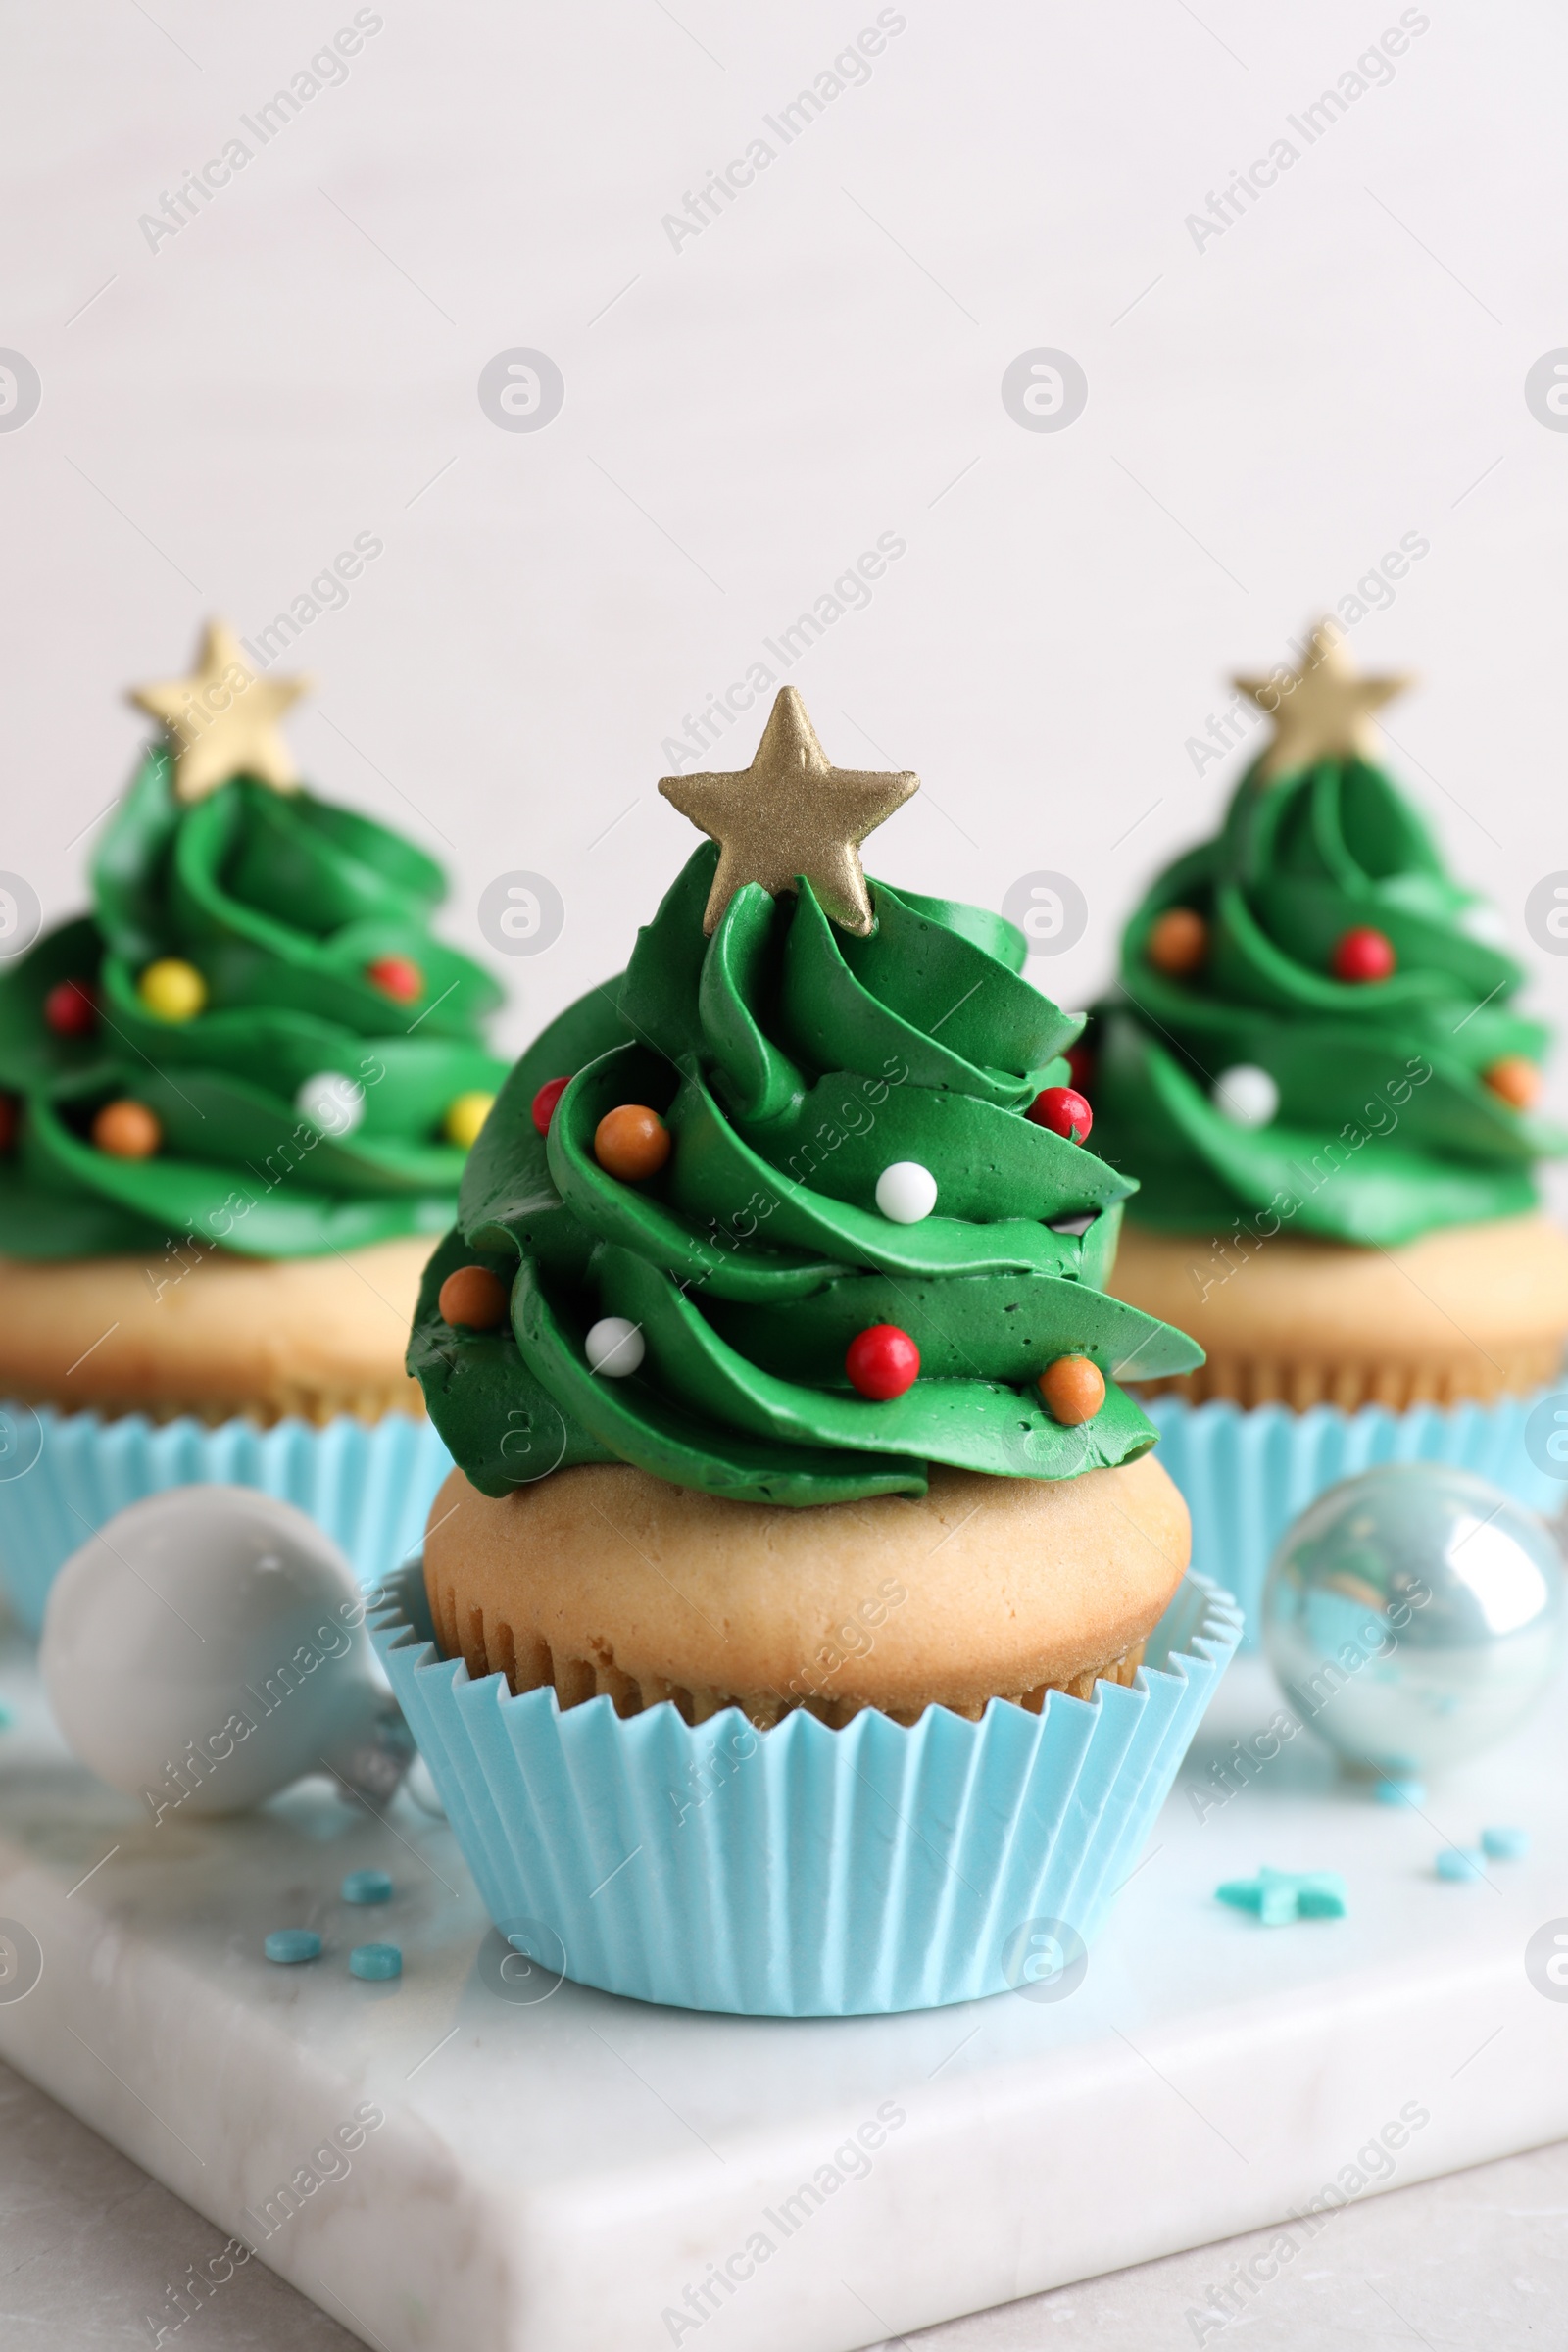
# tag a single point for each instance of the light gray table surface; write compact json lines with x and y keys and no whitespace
{"x":89,"y":2245}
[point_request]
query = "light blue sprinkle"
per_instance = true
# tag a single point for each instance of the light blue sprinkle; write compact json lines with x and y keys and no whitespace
{"x":289,"y":1944}
{"x":1505,"y":1844}
{"x":1401,"y":1792}
{"x":1460,"y":1862}
{"x":375,"y":1960}
{"x":367,"y":1886}
{"x":1279,"y":1897}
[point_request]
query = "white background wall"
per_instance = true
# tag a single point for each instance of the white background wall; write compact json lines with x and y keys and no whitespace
{"x":1267,"y":416}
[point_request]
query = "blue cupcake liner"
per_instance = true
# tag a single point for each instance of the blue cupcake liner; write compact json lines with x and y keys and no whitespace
{"x":369,"y":1485}
{"x":802,"y":1872}
{"x":1245,"y":1472}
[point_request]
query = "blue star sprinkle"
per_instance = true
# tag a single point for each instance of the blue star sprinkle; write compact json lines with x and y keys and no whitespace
{"x":1278,"y":1897}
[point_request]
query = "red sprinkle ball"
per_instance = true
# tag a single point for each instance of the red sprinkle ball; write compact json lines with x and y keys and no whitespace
{"x":1081,"y":1064}
{"x":545,"y":1101}
{"x":69,"y":1008}
{"x":1064,"y":1111}
{"x":398,"y":977}
{"x":1365,"y":954}
{"x":882,"y":1362}
{"x":8,"y":1121}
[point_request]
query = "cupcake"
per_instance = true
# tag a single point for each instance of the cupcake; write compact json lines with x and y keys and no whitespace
{"x":793,"y":1448}
{"x":1313,"y":1063}
{"x":235,"y":1100}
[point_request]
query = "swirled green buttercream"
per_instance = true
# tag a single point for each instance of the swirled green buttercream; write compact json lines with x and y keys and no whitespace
{"x":283,"y":903}
{"x":792,"y":1063}
{"x":1386,"y":1127}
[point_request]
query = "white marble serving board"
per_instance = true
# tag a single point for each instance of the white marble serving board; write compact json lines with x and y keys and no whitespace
{"x":554,"y":2178}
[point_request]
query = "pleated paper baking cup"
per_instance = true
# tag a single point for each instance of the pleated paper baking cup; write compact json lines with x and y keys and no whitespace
{"x":802,"y":1872}
{"x":1245,"y":1472}
{"x":368,"y":1484}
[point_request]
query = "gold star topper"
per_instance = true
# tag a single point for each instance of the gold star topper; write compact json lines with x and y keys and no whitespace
{"x":1322,"y":711}
{"x":223,"y":720}
{"x":791,"y":813}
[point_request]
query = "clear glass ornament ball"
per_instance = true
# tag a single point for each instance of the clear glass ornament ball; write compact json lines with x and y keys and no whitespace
{"x":1414,"y":1615}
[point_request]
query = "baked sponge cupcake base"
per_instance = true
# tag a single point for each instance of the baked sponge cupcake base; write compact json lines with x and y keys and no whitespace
{"x":604,"y":1581}
{"x":1465,"y":1311}
{"x":776,"y":1872}
{"x":210,"y":1334}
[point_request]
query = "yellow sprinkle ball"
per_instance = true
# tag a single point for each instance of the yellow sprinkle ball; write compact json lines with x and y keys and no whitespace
{"x":172,"y":990}
{"x":465,"y":1118}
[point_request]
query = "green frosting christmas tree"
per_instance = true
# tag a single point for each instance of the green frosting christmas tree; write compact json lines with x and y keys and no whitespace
{"x":1313,"y":1023}
{"x":798,"y":1204}
{"x":253,"y":1040}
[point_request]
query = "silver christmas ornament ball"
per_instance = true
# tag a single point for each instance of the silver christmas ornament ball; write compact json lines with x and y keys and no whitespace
{"x":1414,"y":1615}
{"x":205,"y":1648}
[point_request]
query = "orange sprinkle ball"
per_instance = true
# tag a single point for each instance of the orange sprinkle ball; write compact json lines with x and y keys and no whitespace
{"x":1516,"y":1079}
{"x":1178,"y":941}
{"x":473,"y":1297}
{"x":126,"y":1130}
{"x":631,"y":1142}
{"x":1074,"y":1389}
